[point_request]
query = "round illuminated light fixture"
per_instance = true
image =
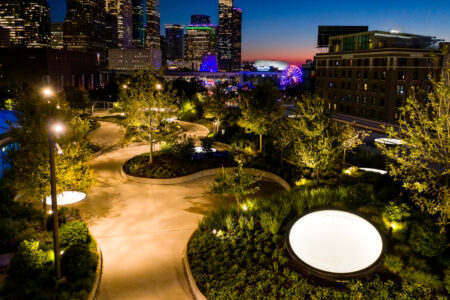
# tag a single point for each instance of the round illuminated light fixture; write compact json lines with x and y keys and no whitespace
{"x":390,"y":142}
{"x":334,"y":245}
{"x":68,"y":197}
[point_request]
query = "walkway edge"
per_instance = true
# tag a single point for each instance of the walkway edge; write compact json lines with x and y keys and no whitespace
{"x":193,"y":288}
{"x":98,"y":276}
{"x":204,"y":173}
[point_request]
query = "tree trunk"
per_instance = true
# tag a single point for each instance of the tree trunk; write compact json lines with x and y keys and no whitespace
{"x":260,"y":143}
{"x":44,"y":219}
{"x":151,"y":150}
{"x":317,"y":177}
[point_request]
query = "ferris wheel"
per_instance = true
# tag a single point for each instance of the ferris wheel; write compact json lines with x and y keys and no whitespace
{"x":291,"y":76}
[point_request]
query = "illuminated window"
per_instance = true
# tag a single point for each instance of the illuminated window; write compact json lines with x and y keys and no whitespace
{"x":357,"y":99}
{"x":383,"y":75}
{"x":400,"y":89}
{"x":364,"y":100}
{"x":401,"y":75}
{"x":365,"y":86}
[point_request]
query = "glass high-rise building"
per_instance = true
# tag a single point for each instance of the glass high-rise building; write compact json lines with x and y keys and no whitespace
{"x":138,"y":23}
{"x":85,"y":27}
{"x":200,"y":40}
{"x":229,"y":35}
{"x":174,"y":41}
{"x":123,"y":11}
{"x":57,"y":35}
{"x":236,"y":45}
{"x":153,"y":28}
{"x":28,"y":22}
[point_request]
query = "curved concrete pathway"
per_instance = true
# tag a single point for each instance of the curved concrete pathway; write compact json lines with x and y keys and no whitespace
{"x":143,"y":229}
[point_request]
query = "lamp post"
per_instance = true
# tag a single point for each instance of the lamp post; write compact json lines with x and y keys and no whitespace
{"x":54,"y":130}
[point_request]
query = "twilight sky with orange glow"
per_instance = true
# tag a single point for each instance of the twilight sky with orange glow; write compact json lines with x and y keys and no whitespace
{"x":287,"y":29}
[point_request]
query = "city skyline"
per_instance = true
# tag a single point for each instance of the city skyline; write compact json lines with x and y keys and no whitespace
{"x":292,"y":36}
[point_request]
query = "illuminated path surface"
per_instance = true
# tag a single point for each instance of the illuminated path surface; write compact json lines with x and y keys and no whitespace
{"x":143,"y":229}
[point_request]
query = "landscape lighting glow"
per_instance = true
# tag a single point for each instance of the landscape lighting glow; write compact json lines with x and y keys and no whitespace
{"x":382,"y":172}
{"x":387,"y":141}
{"x":335,"y":242}
{"x":68,"y":197}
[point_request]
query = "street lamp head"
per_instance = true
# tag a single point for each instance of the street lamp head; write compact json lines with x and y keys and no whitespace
{"x":158,"y":86}
{"x":47,"y":92}
{"x":125,"y":86}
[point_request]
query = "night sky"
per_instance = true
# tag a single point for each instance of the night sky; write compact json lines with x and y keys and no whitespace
{"x":288,"y":30}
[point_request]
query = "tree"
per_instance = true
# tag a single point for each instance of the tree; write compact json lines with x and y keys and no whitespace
{"x":283,"y":138}
{"x":422,"y":162}
{"x":215,"y":104}
{"x":237,"y":183}
{"x":317,"y":139}
{"x":147,"y":106}
{"x":30,"y":170}
{"x":260,"y":110}
{"x":76,"y":98}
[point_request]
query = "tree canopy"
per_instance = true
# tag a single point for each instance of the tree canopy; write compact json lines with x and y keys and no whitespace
{"x":422,"y":161}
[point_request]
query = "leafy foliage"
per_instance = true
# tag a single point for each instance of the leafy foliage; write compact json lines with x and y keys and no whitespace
{"x":422,"y":162}
{"x":78,"y":261}
{"x":426,"y":240}
{"x":28,"y":261}
{"x":317,"y":140}
{"x":260,"y":110}
{"x":75,"y":232}
{"x":147,"y":106}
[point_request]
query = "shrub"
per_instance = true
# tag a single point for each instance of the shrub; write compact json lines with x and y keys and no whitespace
{"x":77,"y":261}
{"x":207,"y":143}
{"x":426,"y":240}
{"x":75,"y":232}
{"x":28,"y":261}
{"x":396,"y":213}
{"x":447,"y":279}
{"x":393,"y":263}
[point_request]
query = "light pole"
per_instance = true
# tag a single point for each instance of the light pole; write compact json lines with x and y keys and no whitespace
{"x":54,"y":130}
{"x":47,"y":93}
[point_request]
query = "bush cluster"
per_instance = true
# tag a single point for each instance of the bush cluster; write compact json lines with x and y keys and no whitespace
{"x":244,"y":256}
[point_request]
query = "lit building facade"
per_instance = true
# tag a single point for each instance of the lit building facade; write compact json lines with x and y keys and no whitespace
{"x":236,"y":46}
{"x":369,"y":74}
{"x":200,"y":40}
{"x":85,"y":27}
{"x":225,"y":34}
{"x":28,"y":22}
{"x":152,"y":32}
{"x":123,"y":11}
{"x":174,"y":41}
{"x":129,"y":60}
{"x":57,"y":35}
{"x":138,"y":31}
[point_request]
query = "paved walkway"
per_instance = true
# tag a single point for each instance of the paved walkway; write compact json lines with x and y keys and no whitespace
{"x":143,"y":229}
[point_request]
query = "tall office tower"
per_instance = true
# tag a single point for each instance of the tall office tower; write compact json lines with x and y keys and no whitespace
{"x":84,"y":26}
{"x":200,"y":19}
{"x":138,"y":23}
{"x":122,"y":9}
{"x":174,"y":41}
{"x":152,"y":36}
{"x":225,"y":35}
{"x":200,"y":40}
{"x":111,"y":31}
{"x":57,"y":35}
{"x":28,"y":22}
{"x":236,"y":45}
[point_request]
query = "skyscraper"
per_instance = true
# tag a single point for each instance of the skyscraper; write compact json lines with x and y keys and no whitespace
{"x":152,"y":36}
{"x":122,"y":9}
{"x":84,"y":26}
{"x":138,"y":23}
{"x":236,"y":45}
{"x":200,"y":40}
{"x":200,"y":19}
{"x":28,"y":22}
{"x":174,"y":41}
{"x":57,"y":36}
{"x":225,"y":34}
